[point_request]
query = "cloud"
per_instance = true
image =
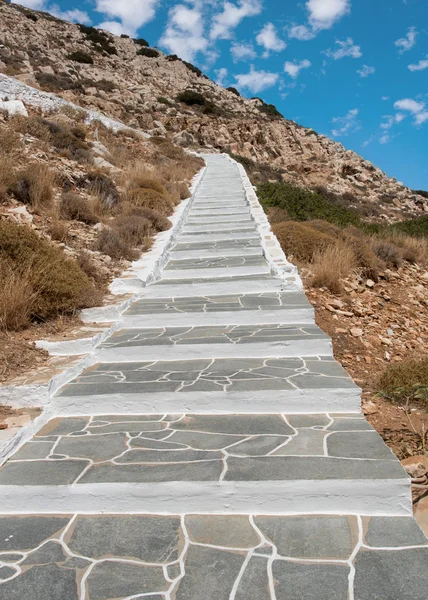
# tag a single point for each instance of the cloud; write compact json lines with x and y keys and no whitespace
{"x":293,"y":68}
{"x":323,"y":14}
{"x":242,"y":51}
{"x":34,"y":4}
{"x":184,"y":32}
{"x":74,"y":15}
{"x":268,"y":38}
{"x":406,"y":43}
{"x":301,"y":32}
{"x":130,"y":14}
{"x":366,"y":71}
{"x":221,"y":75}
{"x":421,"y":65}
{"x":346,"y":48}
{"x":232,"y":14}
{"x":417,"y":109}
{"x":256,"y":81}
{"x":347,"y":124}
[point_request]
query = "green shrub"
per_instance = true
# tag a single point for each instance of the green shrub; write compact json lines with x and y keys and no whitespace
{"x":141,"y":42}
{"x":149,"y":52}
{"x":233,"y":91}
{"x":58,"y":285}
{"x":270,"y":110}
{"x":81,"y":57}
{"x":57,"y":83}
{"x":100,"y":40}
{"x":417,"y":227}
{"x":191,"y":98}
{"x":304,"y":205}
{"x":423,"y":193}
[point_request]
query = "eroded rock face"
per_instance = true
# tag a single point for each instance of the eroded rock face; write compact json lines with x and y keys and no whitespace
{"x":142,"y":92}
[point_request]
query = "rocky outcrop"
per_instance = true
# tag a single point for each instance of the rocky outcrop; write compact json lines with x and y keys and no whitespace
{"x":36,"y":48}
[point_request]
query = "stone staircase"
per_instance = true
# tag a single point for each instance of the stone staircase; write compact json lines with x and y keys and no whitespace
{"x":215,"y":450}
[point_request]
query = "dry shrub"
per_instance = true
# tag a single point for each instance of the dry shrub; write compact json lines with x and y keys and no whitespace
{"x":58,"y":284}
{"x":414,"y":250}
{"x":134,"y":230}
{"x":366,"y":259}
{"x":101,"y":186}
{"x":16,"y":298}
{"x":32,"y":125}
{"x":389,"y":253}
{"x":277,"y":215}
{"x":7,"y":176}
{"x":58,"y":231}
{"x":331,"y":265}
{"x":139,"y":177}
{"x":300,"y":241}
{"x":89,"y":267}
{"x":406,"y":381}
{"x":111,"y":243}
{"x":10,"y":141}
{"x":74,"y":207}
{"x":158,"y":221}
{"x":35,"y":186}
{"x":150,"y":198}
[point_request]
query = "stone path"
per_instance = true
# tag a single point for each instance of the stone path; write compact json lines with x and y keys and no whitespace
{"x":215,"y":450}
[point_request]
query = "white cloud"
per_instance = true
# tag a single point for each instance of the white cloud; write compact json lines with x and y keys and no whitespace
{"x":347,"y":124}
{"x":323,"y":14}
{"x":406,"y":43}
{"x":346,"y":48}
{"x":232,"y":14}
{"x":184,"y":32}
{"x":385,"y":138}
{"x":366,"y":71}
{"x":268,"y":38}
{"x":256,"y":81}
{"x":293,"y":68}
{"x":385,"y":98}
{"x":417,"y":109}
{"x":421,"y":65}
{"x":34,"y":4}
{"x":74,"y":15}
{"x":301,"y":32}
{"x":131,"y":14}
{"x":242,"y":51}
{"x":221,"y":75}
{"x":116,"y":28}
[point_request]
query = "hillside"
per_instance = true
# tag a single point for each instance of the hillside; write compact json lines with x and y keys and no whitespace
{"x":141,"y":86}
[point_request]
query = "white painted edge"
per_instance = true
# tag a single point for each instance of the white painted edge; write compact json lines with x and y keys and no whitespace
{"x":336,"y":400}
{"x":384,"y":497}
{"x":272,"y":248}
{"x":277,"y":349}
{"x":285,"y":316}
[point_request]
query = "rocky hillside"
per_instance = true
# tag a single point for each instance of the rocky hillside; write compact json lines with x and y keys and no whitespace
{"x":163,"y":95}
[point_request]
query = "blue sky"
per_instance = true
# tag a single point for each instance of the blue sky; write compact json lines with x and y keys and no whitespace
{"x":355,"y":70}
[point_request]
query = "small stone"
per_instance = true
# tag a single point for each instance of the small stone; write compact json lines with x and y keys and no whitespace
{"x":416,"y":466}
{"x":370,"y":408}
{"x":356,"y":332}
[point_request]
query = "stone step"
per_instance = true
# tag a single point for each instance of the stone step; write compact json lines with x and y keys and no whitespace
{"x":232,"y":385}
{"x":219,"y":246}
{"x":228,"y":236}
{"x":276,"y":464}
{"x":214,"y":262}
{"x":182,"y":343}
{"x":248,"y":557}
{"x":178,"y":254}
{"x":197,"y":219}
{"x":214,"y":272}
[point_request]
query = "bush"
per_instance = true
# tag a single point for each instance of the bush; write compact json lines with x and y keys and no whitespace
{"x":35,"y":186}
{"x":75,"y":208}
{"x":111,"y":243}
{"x":158,"y":221}
{"x":135,"y":230}
{"x":233,"y":91}
{"x":270,"y":110}
{"x":58,"y":285}
{"x":406,"y":382}
{"x":10,"y":141}
{"x":415,"y":227}
{"x":58,"y":231}
{"x":81,"y":57}
{"x":57,"y":83}
{"x":387,"y":252}
{"x":300,"y":241}
{"x":100,"y":185}
{"x":303,"y":205}
{"x":150,"y":198}
{"x":100,"y":39}
{"x":149,"y":52}
{"x":141,"y":42}
{"x":331,"y":265}
{"x":191,"y":98}
{"x":16,"y":298}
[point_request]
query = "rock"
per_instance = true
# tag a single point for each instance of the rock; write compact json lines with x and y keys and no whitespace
{"x":416,"y":466}
{"x":21,"y":215}
{"x":369,"y":408}
{"x":357,"y":332}
{"x":370,"y":283}
{"x":183,"y":138}
{"x":13,"y":107}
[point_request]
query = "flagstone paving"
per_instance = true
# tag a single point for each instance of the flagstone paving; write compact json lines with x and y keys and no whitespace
{"x":215,"y":450}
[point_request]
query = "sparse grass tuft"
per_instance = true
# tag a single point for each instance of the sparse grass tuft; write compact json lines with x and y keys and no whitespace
{"x":331,"y":265}
{"x":35,"y":186}
{"x":74,"y":207}
{"x":135,"y":230}
{"x":148,"y":198}
{"x":406,"y":382}
{"x":111,"y":243}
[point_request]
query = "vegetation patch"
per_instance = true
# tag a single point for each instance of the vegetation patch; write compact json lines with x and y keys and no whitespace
{"x":57,"y":83}
{"x":149,"y":52}
{"x":81,"y":57}
{"x":100,"y":40}
{"x":74,"y":207}
{"x":406,"y":383}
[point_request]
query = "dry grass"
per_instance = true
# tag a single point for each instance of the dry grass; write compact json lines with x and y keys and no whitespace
{"x":89,"y":267}
{"x":101,"y":186}
{"x":58,"y":231}
{"x":58,"y":285}
{"x":134,"y":230}
{"x":34,"y":185}
{"x":16,"y":298}
{"x":406,"y":382}
{"x":159,"y":222}
{"x":300,"y":241}
{"x":7,"y":176}
{"x":10,"y":141}
{"x":389,"y":253}
{"x":414,"y":250}
{"x":149,"y":198}
{"x":331,"y":265}
{"x":111,"y":243}
{"x":75,"y":208}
